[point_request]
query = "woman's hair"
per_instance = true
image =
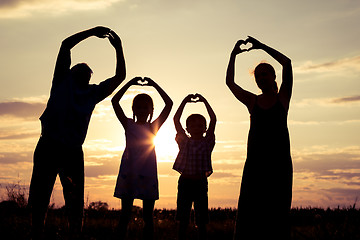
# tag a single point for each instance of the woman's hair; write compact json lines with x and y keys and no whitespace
{"x":143,"y":98}
{"x":270,"y":69}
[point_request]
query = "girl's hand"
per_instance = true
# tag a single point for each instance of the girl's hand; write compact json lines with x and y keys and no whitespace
{"x":255,"y":43}
{"x":135,"y":81}
{"x":148,"y":81}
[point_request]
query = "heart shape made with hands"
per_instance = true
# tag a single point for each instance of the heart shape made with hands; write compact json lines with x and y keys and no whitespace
{"x":194,"y":99}
{"x":142,"y":82}
{"x":245,"y":46}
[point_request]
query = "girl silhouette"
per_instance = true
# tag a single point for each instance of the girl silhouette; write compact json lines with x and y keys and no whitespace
{"x":266,"y":187}
{"x":137,"y":177}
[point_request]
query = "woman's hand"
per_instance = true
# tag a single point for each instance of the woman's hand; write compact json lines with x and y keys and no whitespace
{"x":237,"y":48}
{"x":256,"y":44}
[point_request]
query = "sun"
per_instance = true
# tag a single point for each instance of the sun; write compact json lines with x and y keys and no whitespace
{"x":165,"y":145}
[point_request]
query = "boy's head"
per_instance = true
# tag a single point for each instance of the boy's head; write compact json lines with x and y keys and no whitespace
{"x":196,"y":125}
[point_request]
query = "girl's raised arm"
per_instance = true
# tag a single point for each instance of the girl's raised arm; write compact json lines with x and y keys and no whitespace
{"x":247,"y":98}
{"x":115,"y":100}
{"x":287,"y":74}
{"x":157,"y":123}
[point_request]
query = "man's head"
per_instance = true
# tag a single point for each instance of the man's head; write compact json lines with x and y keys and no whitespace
{"x":196,"y":125}
{"x":81,"y":73}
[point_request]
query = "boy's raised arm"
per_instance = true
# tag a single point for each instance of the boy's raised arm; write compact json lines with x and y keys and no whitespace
{"x":177,"y":116}
{"x":211,"y":113}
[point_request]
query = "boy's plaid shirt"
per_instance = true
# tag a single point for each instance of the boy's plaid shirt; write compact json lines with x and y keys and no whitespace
{"x":194,"y":157}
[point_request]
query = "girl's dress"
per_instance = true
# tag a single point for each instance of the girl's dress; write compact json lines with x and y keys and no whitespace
{"x":137,"y":177}
{"x":266,"y":187}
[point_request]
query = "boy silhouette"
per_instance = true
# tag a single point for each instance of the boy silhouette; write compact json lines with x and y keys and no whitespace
{"x":64,"y":125}
{"x":194,"y":164}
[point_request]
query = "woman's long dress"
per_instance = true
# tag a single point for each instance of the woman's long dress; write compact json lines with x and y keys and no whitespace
{"x":266,"y":187}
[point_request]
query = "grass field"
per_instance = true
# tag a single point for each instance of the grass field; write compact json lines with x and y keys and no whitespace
{"x":100,"y":223}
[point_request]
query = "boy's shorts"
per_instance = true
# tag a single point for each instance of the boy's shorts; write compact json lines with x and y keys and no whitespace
{"x":192,"y":191}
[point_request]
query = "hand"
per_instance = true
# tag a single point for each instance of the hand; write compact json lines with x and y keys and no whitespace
{"x":101,"y":32}
{"x":189,"y":98}
{"x":237,"y":48}
{"x":193,"y":98}
{"x":148,"y":81}
{"x":136,"y":81}
{"x":255,"y":43}
{"x":114,"y":38}
{"x":199,"y":98}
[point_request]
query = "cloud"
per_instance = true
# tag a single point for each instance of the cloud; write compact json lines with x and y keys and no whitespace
{"x":16,"y":136}
{"x":20,"y":109}
{"x":15,"y":157}
{"x":28,"y":8}
{"x":347,"y":99}
{"x":328,"y":102}
{"x":339,"y":166}
{"x":352,"y":63}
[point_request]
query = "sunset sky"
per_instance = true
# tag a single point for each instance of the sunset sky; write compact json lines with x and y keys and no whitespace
{"x":185,"y":46}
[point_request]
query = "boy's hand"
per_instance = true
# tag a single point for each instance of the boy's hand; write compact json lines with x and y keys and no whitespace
{"x":189,"y":98}
{"x":199,"y":98}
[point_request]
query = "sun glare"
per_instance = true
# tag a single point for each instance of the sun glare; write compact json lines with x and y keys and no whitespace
{"x":165,"y":145}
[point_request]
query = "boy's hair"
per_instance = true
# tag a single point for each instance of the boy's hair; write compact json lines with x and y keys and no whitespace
{"x":143,"y":98}
{"x":194,"y":117}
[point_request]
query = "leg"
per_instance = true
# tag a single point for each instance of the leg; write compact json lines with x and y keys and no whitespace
{"x":148,"y":216}
{"x":184,"y":204}
{"x":72,"y":180}
{"x":41,"y":186}
{"x":126,"y":207}
{"x":201,"y":208}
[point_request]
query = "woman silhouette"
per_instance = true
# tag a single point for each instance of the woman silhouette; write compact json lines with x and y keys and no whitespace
{"x":266,"y":187}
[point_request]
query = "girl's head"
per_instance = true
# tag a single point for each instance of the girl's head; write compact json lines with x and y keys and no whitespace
{"x":143,"y":108}
{"x":265,"y":77}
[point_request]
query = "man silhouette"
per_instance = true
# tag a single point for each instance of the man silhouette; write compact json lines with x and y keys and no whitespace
{"x":64,"y":125}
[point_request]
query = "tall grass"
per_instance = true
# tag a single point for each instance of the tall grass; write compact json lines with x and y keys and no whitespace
{"x":100,"y":223}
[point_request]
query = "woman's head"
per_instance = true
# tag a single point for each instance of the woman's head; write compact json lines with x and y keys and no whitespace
{"x":265,"y":77}
{"x":81,"y":73}
{"x":143,"y":107}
